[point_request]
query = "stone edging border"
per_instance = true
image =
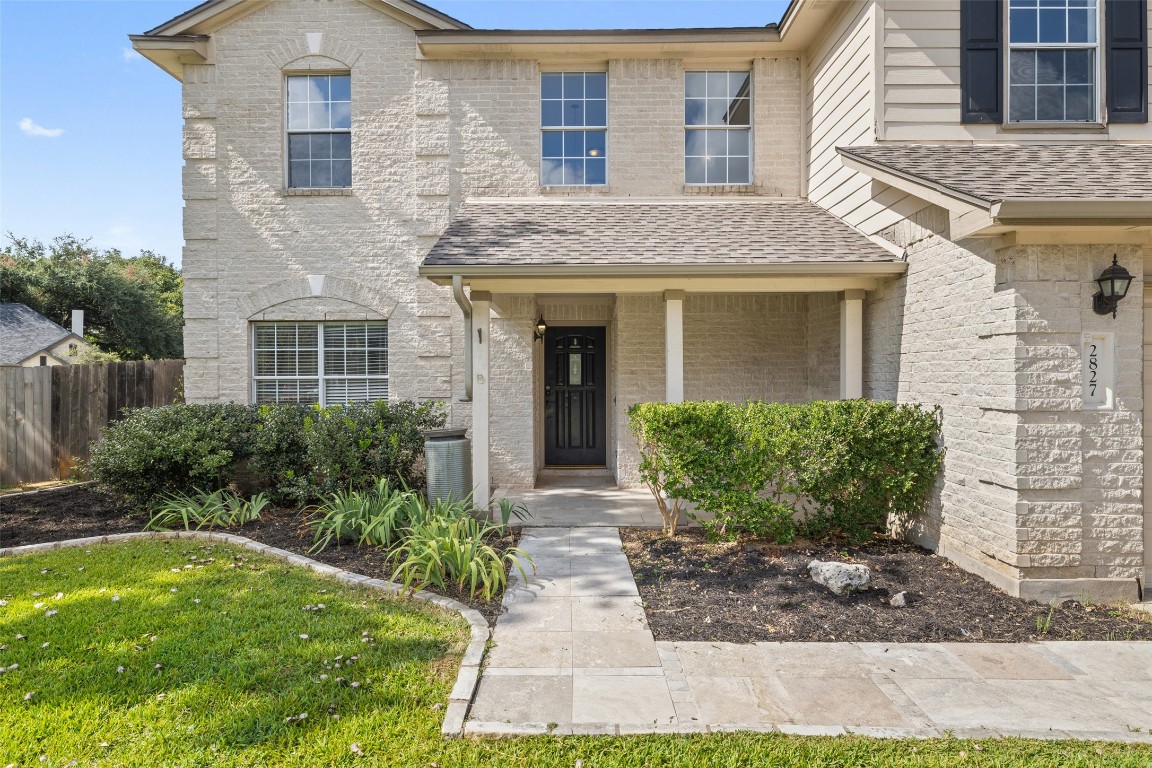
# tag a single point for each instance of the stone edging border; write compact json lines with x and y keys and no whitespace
{"x":467,"y":679}
{"x":49,"y":489}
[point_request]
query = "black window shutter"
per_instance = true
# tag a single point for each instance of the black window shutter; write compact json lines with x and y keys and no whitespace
{"x":981,"y":61}
{"x":1126,"y":44}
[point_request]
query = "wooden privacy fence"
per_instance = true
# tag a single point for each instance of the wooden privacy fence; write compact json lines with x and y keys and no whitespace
{"x":52,"y":414}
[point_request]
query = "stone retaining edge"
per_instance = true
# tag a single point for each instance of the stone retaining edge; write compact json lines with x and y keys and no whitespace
{"x":459,"y":701}
{"x":17,"y":494}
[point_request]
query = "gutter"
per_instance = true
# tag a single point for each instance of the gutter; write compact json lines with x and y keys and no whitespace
{"x":858,"y":268}
{"x":466,"y":308}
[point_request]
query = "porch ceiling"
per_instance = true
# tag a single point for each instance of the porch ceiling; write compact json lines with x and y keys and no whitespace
{"x":604,"y":245}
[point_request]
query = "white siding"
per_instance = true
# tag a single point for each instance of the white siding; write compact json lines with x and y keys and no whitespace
{"x":841,"y":97}
{"x":920,"y":76}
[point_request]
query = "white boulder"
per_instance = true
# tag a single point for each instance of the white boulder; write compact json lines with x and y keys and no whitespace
{"x":841,"y":578}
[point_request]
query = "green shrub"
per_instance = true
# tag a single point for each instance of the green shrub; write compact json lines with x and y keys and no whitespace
{"x":294,"y":453}
{"x":771,"y":470}
{"x":203,"y":509}
{"x":154,"y":451}
{"x":352,"y":445}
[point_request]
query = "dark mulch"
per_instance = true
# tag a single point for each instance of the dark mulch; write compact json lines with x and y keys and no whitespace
{"x":77,"y":511}
{"x":68,"y":512}
{"x":739,"y":592}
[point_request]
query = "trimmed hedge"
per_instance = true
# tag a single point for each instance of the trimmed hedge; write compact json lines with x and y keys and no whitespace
{"x":296,"y":453}
{"x":774,"y":470}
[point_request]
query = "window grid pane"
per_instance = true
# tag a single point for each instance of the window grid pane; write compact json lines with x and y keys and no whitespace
{"x":332,"y":363}
{"x":717,"y":127}
{"x":319,"y":131}
{"x":1053,"y":61}
{"x":574,"y":121}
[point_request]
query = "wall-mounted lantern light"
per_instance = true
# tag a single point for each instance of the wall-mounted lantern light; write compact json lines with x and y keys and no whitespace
{"x":1113,"y":282}
{"x":541,"y":327}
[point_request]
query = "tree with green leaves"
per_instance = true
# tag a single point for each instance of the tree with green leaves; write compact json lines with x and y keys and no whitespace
{"x":132,"y":304}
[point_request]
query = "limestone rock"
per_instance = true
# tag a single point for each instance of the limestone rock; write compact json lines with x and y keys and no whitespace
{"x":841,"y":578}
{"x":899,"y":600}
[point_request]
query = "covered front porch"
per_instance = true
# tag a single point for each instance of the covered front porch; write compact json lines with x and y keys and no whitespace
{"x":562,"y":343}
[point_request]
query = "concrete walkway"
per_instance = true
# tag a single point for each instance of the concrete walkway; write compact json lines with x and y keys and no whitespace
{"x":573,"y":654}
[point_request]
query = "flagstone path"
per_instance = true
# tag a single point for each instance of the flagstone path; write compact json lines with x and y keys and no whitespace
{"x":573,"y":654}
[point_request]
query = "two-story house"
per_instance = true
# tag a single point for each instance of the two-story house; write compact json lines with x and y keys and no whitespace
{"x":901,"y":199}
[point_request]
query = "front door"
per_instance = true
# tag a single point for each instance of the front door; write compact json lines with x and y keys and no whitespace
{"x":574,"y":388}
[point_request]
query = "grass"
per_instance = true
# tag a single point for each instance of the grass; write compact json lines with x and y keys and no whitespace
{"x":234,"y":675}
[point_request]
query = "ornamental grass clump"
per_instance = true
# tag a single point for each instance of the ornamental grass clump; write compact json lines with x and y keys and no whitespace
{"x":774,"y":470}
{"x":377,"y":517}
{"x":206,"y":509}
{"x":443,"y":553}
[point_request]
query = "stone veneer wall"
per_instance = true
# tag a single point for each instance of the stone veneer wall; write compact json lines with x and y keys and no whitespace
{"x":426,"y":135}
{"x":1035,"y":488}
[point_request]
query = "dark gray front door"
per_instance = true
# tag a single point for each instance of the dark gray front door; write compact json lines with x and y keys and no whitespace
{"x":574,"y":397}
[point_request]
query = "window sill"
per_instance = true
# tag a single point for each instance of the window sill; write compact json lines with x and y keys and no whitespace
{"x":1041,"y":127}
{"x":316,"y":192}
{"x":575,"y":190}
{"x":722,"y":189}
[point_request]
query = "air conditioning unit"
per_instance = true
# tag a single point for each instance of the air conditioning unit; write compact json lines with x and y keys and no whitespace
{"x":448,"y":461}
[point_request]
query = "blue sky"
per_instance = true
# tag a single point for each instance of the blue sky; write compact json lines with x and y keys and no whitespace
{"x":90,"y":131}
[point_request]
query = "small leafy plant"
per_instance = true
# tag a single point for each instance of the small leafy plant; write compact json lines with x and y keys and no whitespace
{"x":221,"y":508}
{"x":445,"y":552}
{"x":377,"y":517}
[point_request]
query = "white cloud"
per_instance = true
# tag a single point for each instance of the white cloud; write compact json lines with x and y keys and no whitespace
{"x":129,"y":54}
{"x":32,"y":128}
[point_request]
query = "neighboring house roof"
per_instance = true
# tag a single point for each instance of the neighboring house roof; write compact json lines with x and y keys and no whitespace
{"x":668,"y":235}
{"x":24,"y":332}
{"x":990,"y":174}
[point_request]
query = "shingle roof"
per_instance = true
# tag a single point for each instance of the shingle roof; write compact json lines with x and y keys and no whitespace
{"x":24,"y":332}
{"x":672,"y":232}
{"x":1036,"y":171}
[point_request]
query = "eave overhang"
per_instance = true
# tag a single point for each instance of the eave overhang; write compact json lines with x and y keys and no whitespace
{"x":741,"y":42}
{"x":972,"y":216}
{"x":171,"y":53}
{"x":653,"y":278}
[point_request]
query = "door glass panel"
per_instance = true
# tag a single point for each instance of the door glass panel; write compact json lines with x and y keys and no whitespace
{"x":575,"y":369}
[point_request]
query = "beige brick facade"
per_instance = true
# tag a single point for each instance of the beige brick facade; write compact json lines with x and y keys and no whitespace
{"x":1037,"y":494}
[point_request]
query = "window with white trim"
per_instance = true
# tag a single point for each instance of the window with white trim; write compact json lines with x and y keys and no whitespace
{"x":326,"y":363}
{"x":573,"y":129}
{"x":1053,"y":60}
{"x":718,"y":127}
{"x":319,"y":131}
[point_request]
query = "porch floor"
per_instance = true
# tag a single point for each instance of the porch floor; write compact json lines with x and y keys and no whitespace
{"x":584,"y":501}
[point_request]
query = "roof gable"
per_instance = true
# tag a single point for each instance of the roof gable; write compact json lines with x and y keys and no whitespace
{"x":24,"y":332}
{"x":212,"y":15}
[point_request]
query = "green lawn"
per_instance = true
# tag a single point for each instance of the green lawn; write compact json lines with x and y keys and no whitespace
{"x":215,"y":673}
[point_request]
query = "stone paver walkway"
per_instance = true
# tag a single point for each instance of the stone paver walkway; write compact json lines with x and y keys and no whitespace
{"x":573,"y":654}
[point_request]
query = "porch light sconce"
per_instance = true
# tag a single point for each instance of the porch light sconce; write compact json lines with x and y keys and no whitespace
{"x":1113,"y":282}
{"x":541,"y":327}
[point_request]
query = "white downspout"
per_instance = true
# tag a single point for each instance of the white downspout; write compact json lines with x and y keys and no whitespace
{"x":466,"y":308}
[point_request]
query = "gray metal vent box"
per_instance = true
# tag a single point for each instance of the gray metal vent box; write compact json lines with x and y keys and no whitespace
{"x":448,"y":458}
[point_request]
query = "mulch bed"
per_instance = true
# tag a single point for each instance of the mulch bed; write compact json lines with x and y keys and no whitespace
{"x":742,"y":592}
{"x":77,"y":511}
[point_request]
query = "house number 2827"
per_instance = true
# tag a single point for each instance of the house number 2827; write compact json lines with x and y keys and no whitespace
{"x":1099,"y":374}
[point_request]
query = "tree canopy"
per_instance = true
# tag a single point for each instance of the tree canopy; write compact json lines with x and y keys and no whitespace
{"x":132,"y":304}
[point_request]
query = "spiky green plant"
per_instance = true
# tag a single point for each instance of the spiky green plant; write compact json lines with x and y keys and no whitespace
{"x":203,"y":509}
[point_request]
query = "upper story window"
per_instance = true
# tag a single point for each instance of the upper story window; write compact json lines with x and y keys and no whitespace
{"x":1053,"y":60}
{"x":573,"y":128}
{"x":319,"y":131}
{"x":717,"y":127}
{"x":326,"y":363}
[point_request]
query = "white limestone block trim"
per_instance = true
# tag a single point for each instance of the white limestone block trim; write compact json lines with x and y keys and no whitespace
{"x":467,"y":678}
